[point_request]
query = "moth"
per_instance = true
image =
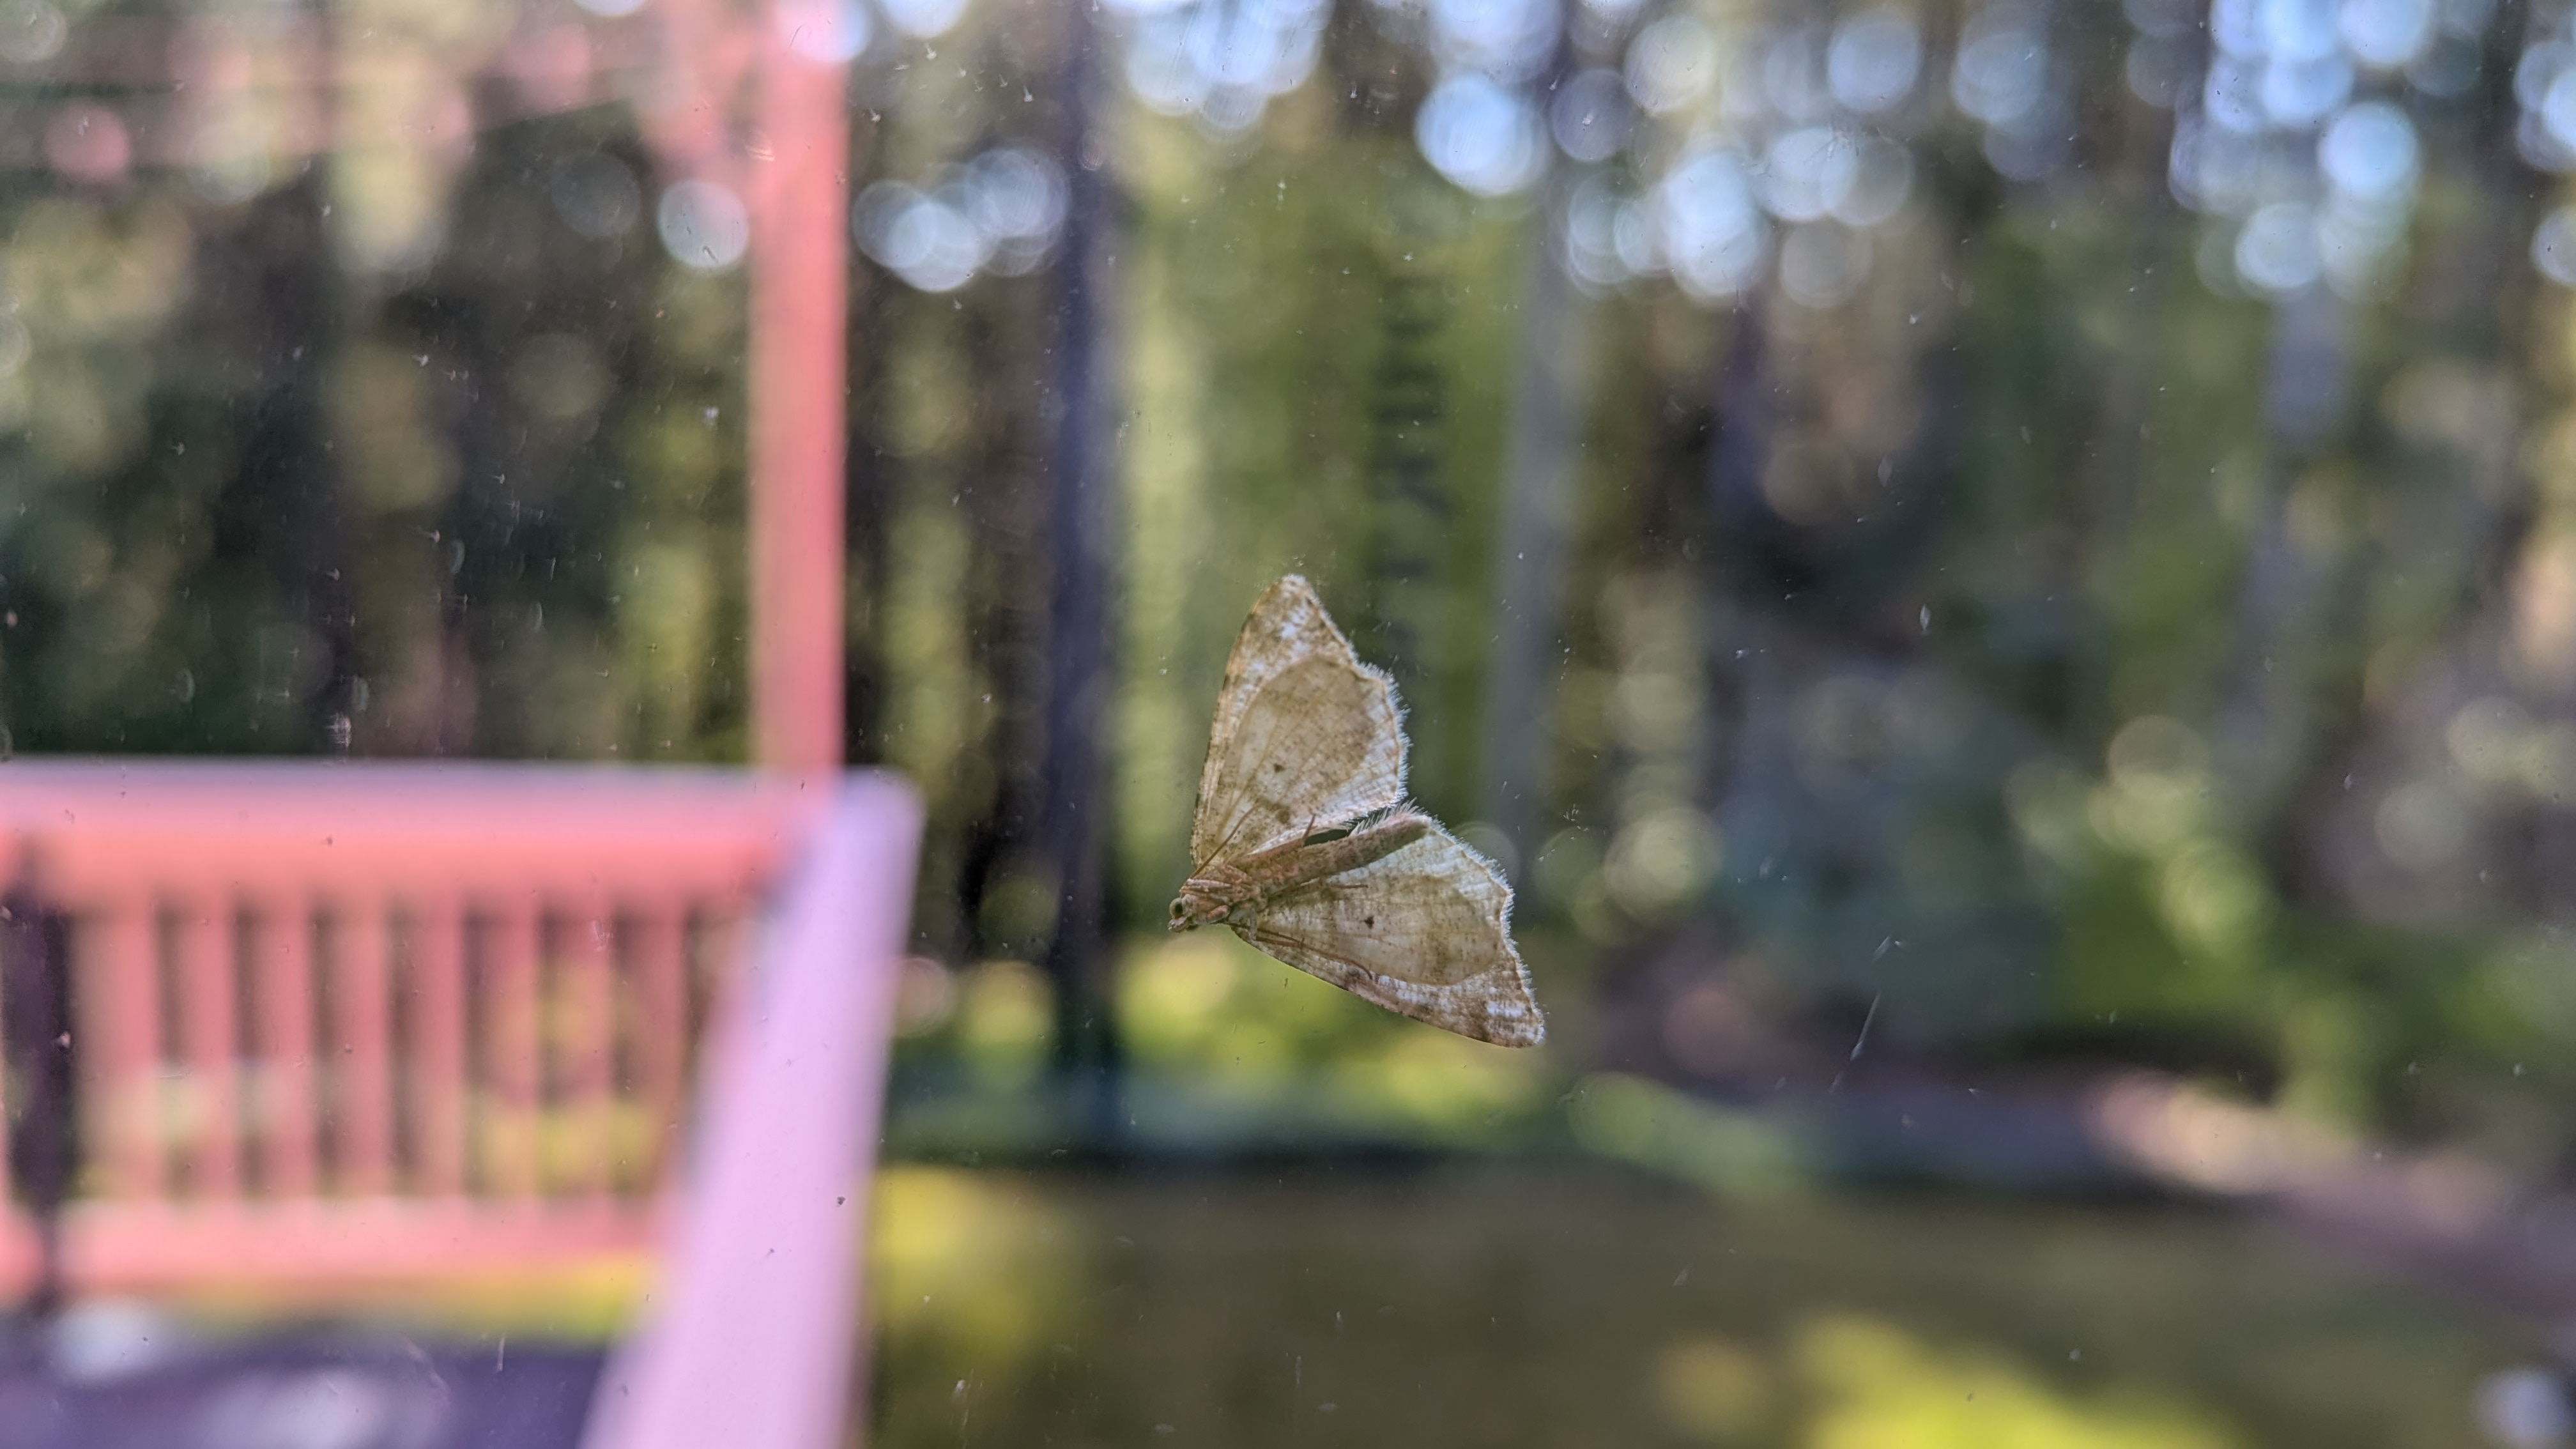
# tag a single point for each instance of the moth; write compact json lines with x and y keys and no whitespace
{"x":1304,"y":846}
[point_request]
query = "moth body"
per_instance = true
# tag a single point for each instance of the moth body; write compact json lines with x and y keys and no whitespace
{"x":1233,"y":893}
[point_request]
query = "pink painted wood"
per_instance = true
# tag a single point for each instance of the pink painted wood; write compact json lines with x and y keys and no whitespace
{"x":799,"y":358}
{"x":361,"y":998}
{"x":283,"y":1003}
{"x":750,"y":1338}
{"x":510,"y":1041}
{"x":118,"y":1024}
{"x":209,"y":1033}
{"x":437,"y":1084}
{"x":434,"y":985}
{"x":659,"y":1060}
{"x":8,"y":1191}
{"x":787,"y":155}
{"x":585,"y":1018}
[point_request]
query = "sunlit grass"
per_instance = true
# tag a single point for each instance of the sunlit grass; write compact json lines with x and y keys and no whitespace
{"x":588,"y":1300}
{"x":977,"y":1265}
{"x":1876,"y":1386}
{"x":1577,"y":1306}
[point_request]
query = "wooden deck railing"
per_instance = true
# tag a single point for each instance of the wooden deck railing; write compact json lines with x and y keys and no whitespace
{"x":378,"y":1020}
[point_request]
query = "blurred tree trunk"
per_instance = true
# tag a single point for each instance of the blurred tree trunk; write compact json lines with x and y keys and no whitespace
{"x":327,"y":551}
{"x":1553,"y":383}
{"x":867,"y":480}
{"x":1074,"y":807}
{"x":284,"y":506}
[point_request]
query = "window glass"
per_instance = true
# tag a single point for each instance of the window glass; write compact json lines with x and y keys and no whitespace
{"x":1998,"y":577}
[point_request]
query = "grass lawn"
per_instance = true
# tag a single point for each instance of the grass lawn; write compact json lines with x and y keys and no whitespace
{"x":1565,"y":1303}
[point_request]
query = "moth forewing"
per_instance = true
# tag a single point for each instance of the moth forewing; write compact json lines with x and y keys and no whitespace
{"x":1304,"y":735}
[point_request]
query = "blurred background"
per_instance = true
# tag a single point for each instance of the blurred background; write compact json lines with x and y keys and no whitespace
{"x":2001,"y":576}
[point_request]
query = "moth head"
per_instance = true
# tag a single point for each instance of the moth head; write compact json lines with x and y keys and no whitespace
{"x":1198,"y":905}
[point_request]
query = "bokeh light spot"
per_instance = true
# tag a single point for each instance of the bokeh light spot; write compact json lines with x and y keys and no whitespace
{"x":596,"y":196}
{"x":703,"y":225}
{"x":1872,"y":62}
{"x":1480,"y":135}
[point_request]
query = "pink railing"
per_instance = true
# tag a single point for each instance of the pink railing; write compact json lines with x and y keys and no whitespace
{"x":750,"y":1336}
{"x":382,"y":1020}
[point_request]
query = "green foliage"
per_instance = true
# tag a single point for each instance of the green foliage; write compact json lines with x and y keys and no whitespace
{"x":265,"y":505}
{"x":1340,"y":423}
{"x":2050,"y":643}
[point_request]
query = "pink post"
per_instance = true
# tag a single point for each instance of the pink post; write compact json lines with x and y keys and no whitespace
{"x":6,"y":1190}
{"x":511,"y":1041}
{"x":589,"y":1020}
{"x":123,"y":1025}
{"x":799,"y":337}
{"x":284,"y":993}
{"x":362,"y":1067}
{"x":203,"y":975}
{"x":437,"y":980}
{"x":660,"y":1046}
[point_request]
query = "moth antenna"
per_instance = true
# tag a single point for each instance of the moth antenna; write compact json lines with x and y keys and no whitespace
{"x":1199,"y":864}
{"x":1228,"y":838}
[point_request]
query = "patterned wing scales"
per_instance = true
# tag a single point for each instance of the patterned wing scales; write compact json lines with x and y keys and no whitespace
{"x":1305,"y":734}
{"x":1425,"y":931}
{"x":1288,"y":623}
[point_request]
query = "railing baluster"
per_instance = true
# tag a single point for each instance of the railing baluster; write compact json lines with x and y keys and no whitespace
{"x":362,"y":1002}
{"x":438,"y":1045}
{"x":121,"y":1019}
{"x":283,"y":1004}
{"x":14,"y":936}
{"x":588,"y":1003}
{"x":722,"y":938}
{"x":660,"y":1027}
{"x":510,"y":1037}
{"x":209,"y":1039}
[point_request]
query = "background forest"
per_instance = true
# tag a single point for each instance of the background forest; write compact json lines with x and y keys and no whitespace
{"x":2035,"y":539}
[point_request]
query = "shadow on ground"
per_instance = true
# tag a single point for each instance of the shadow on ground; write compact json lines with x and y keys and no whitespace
{"x":110,"y":1379}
